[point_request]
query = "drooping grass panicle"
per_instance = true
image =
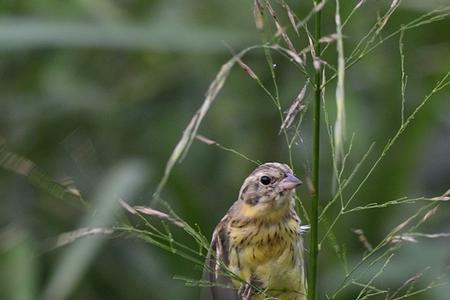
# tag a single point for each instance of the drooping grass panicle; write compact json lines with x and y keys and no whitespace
{"x":20,"y":165}
{"x":296,"y":106}
{"x":190,"y":131}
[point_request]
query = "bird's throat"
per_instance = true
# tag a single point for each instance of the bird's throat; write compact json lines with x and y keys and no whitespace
{"x":271,"y":212}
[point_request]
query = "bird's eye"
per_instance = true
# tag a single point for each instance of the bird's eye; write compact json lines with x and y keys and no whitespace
{"x":265,"y":180}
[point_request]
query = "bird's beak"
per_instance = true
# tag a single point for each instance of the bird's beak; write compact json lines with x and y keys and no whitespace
{"x":290,"y":182}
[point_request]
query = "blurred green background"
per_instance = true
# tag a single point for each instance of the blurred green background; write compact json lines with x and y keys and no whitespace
{"x":100,"y":92}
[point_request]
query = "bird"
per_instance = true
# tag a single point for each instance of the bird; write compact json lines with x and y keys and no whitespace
{"x":256,"y":250}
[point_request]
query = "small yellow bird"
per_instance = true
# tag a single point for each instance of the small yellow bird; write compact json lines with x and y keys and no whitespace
{"x":256,"y":250}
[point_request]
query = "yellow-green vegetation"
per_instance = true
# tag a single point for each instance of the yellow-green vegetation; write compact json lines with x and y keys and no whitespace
{"x":127,"y":128}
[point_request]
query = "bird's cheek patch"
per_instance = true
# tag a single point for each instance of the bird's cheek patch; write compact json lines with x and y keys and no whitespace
{"x":244,"y":191}
{"x":253,"y":200}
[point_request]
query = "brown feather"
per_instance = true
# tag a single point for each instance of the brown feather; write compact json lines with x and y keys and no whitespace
{"x":213,"y":272}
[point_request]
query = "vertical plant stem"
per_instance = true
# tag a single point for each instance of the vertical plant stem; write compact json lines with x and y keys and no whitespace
{"x":313,"y":245}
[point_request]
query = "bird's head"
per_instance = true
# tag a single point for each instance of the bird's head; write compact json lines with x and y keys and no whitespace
{"x":267,"y":191}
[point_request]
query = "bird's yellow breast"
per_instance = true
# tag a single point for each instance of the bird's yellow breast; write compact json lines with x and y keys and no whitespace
{"x":270,"y":252}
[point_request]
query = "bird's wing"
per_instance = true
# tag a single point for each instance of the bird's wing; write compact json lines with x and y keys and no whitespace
{"x":220,"y":286}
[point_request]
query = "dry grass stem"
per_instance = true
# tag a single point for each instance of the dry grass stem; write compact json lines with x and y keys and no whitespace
{"x":24,"y":167}
{"x":15,"y":163}
{"x":363,"y":239}
{"x":339,"y":127}
{"x":430,"y":235}
{"x":150,"y":212}
{"x":409,"y":281}
{"x":430,"y":213}
{"x":69,"y":184}
{"x":206,"y":140}
{"x":258,"y":15}
{"x":331,"y":38}
{"x":296,"y":106}
{"x":395,"y":3}
{"x":360,"y":3}
{"x":402,"y":238}
{"x":295,"y":57}
{"x":191,"y":129}
{"x":291,"y":17}
{"x":299,"y":58}
{"x":70,"y":237}
{"x":280,"y":29}
{"x":319,"y":6}
{"x":247,"y":69}
{"x":210,"y":142}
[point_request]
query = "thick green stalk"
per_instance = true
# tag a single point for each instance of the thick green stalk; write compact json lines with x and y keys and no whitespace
{"x":313,"y":245}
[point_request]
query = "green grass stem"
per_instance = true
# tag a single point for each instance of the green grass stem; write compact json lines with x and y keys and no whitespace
{"x":313,"y":245}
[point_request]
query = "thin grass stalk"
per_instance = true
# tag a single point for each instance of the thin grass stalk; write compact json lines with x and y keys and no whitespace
{"x":313,"y":245}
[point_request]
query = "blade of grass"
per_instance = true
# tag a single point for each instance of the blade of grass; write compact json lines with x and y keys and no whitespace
{"x":29,"y":33}
{"x":18,"y":264}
